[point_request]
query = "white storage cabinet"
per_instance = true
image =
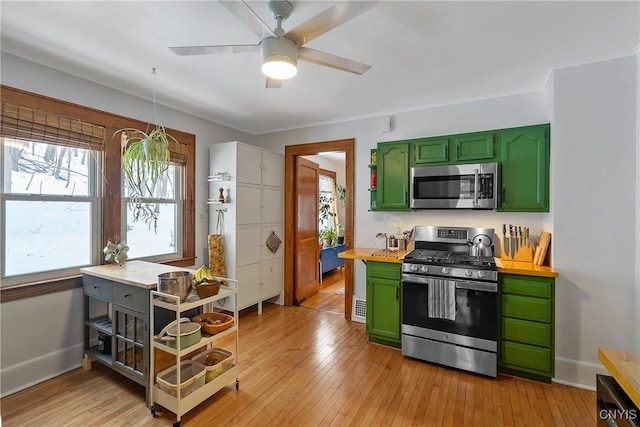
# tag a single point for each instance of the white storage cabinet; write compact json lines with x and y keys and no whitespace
{"x":178,"y":403}
{"x":253,"y":180}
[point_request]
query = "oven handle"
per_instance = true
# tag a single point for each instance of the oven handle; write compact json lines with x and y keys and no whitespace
{"x":460,"y":284}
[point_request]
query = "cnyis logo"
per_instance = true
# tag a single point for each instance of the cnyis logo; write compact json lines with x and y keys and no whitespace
{"x":618,"y":414}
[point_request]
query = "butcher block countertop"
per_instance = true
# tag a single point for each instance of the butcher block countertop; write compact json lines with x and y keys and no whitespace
{"x":625,"y":368}
{"x":504,"y":266}
{"x":142,"y":274}
{"x":524,"y":268}
{"x":367,"y":254}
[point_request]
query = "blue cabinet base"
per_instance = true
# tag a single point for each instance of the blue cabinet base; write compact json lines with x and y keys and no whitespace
{"x":329,"y":258}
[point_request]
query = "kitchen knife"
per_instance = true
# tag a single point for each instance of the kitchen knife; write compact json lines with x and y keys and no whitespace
{"x":512,"y":245}
{"x":521,"y":237}
{"x":516,"y":245}
{"x":504,"y":240}
{"x":527,"y":240}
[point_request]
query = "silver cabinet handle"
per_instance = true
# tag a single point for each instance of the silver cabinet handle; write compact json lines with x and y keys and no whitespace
{"x":476,"y":186}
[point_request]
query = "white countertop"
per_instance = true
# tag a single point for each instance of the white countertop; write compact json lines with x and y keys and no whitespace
{"x":142,"y":274}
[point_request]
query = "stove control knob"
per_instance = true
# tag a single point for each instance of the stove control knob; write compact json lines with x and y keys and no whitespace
{"x":445,"y":270}
{"x":414,"y":268}
{"x":424,"y":268}
{"x":481,"y":274}
{"x":468,"y":273}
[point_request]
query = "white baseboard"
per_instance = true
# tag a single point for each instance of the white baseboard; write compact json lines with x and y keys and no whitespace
{"x":34,"y":371}
{"x":576,"y":373}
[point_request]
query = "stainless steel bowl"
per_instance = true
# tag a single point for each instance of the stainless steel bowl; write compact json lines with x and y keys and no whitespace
{"x":176,"y":283}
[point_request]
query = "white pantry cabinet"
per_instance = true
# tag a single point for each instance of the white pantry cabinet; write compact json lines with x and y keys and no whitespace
{"x":252,"y":180}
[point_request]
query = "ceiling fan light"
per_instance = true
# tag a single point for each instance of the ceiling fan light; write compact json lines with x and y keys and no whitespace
{"x":280,"y":57}
{"x":279,"y":67}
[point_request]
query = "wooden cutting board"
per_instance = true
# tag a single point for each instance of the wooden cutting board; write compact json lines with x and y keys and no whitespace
{"x":541,"y":250}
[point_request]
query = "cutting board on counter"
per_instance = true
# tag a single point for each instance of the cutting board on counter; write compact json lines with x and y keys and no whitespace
{"x":541,"y":250}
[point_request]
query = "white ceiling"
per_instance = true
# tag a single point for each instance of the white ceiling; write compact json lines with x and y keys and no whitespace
{"x":422,"y":53}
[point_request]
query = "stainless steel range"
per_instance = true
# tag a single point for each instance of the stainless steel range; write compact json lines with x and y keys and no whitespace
{"x":450,"y":299}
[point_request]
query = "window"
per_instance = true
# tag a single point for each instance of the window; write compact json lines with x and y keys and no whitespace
{"x":160,"y":240}
{"x":327,"y":200}
{"x":61,"y":196}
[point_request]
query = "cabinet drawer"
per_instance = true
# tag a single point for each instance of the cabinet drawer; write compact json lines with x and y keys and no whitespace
{"x":526,"y":332}
{"x":527,"y":308}
{"x":527,"y":285}
{"x":97,"y":288}
{"x":527,"y":357}
{"x":384,"y":270}
{"x":130,"y":296}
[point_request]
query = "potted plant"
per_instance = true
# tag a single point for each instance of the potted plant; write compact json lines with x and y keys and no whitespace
{"x":340,"y":234}
{"x":324,"y":207}
{"x":342,"y":194}
{"x":329,"y":237}
{"x":145,"y":160}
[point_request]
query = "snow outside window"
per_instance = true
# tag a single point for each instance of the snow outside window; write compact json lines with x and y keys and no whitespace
{"x":49,"y":212}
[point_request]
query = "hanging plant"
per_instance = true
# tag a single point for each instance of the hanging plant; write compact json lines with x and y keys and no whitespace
{"x":145,"y":160}
{"x":342,"y":194}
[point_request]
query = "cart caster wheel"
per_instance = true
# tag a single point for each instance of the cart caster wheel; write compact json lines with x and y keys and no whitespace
{"x":237,"y":385}
{"x":153,"y":411}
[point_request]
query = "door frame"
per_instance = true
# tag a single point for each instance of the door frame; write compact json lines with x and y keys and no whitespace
{"x":290,"y":215}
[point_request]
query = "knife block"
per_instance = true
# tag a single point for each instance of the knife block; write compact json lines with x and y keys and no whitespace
{"x":524,"y":253}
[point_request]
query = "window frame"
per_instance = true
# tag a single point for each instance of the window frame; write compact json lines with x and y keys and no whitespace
{"x":110,"y":200}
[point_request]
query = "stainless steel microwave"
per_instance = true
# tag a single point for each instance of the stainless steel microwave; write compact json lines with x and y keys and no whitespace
{"x":472,"y":186}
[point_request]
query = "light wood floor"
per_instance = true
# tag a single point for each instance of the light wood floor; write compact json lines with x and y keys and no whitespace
{"x":306,"y":367}
{"x":326,"y":299}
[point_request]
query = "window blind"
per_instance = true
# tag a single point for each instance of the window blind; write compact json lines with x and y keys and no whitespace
{"x":34,"y":125}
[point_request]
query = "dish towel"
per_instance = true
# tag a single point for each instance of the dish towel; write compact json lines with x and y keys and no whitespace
{"x":442,"y":299}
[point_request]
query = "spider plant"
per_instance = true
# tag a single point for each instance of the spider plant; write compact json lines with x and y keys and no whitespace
{"x":145,"y":160}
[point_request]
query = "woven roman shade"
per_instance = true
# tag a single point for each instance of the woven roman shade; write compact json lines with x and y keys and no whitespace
{"x":34,"y":125}
{"x":178,"y":152}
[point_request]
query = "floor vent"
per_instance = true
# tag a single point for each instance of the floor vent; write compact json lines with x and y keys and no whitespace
{"x":359,"y":312}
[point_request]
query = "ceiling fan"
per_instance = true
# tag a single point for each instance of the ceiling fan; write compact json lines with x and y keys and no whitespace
{"x":281,"y":51}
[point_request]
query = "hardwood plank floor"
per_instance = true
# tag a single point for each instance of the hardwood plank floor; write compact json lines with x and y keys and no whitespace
{"x":326,"y":299}
{"x":305,"y":368}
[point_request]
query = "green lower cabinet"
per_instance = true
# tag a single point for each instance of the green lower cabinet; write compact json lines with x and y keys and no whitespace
{"x":527,"y":322}
{"x":383,"y":303}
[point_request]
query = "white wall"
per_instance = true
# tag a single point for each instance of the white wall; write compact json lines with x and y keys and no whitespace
{"x":595,"y":214}
{"x":54,"y":343}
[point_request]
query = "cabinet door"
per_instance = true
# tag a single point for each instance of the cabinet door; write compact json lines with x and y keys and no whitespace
{"x":248,"y":245}
{"x":524,"y":169}
{"x":249,"y":164}
{"x":272,"y":169}
{"x":272,"y":278}
{"x":474,"y":146}
{"x":383,"y":308}
{"x":272,"y":205}
{"x":430,"y":150}
{"x":248,"y":202}
{"x":393,"y":176}
{"x":249,"y":285}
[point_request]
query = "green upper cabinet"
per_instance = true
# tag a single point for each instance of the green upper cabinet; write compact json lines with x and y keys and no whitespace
{"x":474,"y":146}
{"x":393,"y":176}
{"x":430,"y":150}
{"x":524,"y":169}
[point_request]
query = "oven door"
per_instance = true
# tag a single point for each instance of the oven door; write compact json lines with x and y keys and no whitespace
{"x":474,"y":315}
{"x":471,"y":186}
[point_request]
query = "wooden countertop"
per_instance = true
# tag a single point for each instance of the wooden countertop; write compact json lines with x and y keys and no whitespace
{"x":625,"y":368}
{"x":367,"y":254}
{"x":504,"y":266}
{"x":142,"y":274}
{"x":524,"y":268}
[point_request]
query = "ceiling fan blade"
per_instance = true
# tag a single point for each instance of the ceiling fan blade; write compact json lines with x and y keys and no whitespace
{"x":206,"y":50}
{"x":273,"y":83}
{"x":333,"y":61}
{"x":241,"y":10}
{"x":336,"y":15}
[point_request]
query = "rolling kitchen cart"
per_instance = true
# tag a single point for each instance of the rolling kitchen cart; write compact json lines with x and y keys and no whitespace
{"x":190,"y":393}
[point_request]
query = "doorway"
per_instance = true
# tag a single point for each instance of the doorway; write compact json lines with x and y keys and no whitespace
{"x":292,"y":152}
